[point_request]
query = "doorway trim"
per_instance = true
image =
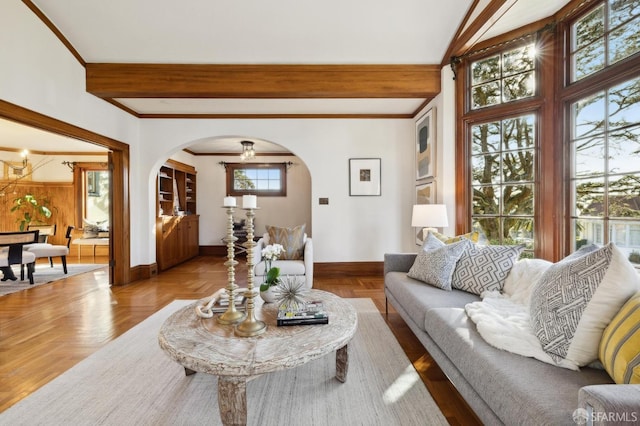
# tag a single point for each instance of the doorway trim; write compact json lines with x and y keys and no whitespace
{"x":120,"y":250}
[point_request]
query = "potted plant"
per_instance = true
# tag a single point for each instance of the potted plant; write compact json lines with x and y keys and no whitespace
{"x":269,"y":254}
{"x":30,"y":210}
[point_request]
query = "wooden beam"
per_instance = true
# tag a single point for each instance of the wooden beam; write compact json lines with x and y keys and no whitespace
{"x":117,"y":80}
{"x":476,"y":29}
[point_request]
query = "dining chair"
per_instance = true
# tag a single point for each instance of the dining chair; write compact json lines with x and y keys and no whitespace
{"x":12,"y":251}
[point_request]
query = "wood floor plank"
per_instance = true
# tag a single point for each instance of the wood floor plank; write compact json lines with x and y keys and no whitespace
{"x":48,"y":329}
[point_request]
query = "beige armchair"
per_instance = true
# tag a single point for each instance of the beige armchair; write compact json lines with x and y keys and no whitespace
{"x":303,"y":267}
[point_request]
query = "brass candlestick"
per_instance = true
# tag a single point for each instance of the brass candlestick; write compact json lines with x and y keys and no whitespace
{"x":231,"y":315}
{"x":250,"y":326}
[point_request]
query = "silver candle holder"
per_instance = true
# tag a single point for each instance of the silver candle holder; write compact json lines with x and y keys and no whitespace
{"x":250,"y":326}
{"x":231,"y":315}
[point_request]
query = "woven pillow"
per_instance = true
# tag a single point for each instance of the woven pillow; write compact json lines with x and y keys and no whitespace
{"x":620,"y":344}
{"x":291,"y":239}
{"x":435,"y":266}
{"x":474,"y":236}
{"x":576,"y":298}
{"x":484,"y":268}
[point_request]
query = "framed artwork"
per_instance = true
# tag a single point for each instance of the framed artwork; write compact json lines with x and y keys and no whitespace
{"x":17,"y":170}
{"x":425,"y":194}
{"x":364,"y":176}
{"x":425,"y":145}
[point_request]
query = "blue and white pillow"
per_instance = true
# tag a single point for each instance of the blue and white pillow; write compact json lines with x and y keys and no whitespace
{"x":436,"y":262}
{"x":484,"y":268}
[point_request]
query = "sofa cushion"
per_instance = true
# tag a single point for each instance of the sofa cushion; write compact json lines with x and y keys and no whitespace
{"x":287,"y":267}
{"x":292,"y":239}
{"x":620,"y":344}
{"x":484,"y":268}
{"x":576,"y":298}
{"x":436,"y":266}
{"x":517,"y":388}
{"x":417,"y":298}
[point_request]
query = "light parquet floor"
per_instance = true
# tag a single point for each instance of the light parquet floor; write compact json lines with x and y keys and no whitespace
{"x":46,"y":330}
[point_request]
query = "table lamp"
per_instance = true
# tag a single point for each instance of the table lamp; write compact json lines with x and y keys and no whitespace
{"x":429,"y":217}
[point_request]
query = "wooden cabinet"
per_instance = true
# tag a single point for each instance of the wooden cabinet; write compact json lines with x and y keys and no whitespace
{"x":176,"y":189}
{"x":177,"y":224}
{"x":176,"y":240}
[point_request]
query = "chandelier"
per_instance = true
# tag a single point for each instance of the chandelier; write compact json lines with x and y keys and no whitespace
{"x":248,"y":152}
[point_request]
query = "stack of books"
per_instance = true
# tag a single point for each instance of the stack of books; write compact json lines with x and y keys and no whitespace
{"x":311,"y":312}
{"x":222,"y":303}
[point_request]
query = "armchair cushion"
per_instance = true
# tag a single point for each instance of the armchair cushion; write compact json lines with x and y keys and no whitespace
{"x":292,"y":239}
{"x":299,"y":267}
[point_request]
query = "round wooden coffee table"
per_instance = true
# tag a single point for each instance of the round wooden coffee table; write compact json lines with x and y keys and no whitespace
{"x":204,"y":345}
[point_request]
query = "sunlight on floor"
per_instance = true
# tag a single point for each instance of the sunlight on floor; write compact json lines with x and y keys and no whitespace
{"x":401,"y":385}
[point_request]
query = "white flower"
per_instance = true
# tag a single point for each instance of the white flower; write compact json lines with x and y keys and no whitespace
{"x":272,"y":251}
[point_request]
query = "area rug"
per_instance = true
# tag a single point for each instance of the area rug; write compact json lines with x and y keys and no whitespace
{"x":45,"y":274}
{"x":131,"y":381}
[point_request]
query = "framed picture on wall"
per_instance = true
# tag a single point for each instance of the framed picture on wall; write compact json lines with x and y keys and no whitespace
{"x":425,"y":145}
{"x":364,"y":176}
{"x":425,"y":194}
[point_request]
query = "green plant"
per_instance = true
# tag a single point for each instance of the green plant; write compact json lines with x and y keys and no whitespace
{"x":272,"y":278}
{"x":634,"y":257}
{"x":30,"y":210}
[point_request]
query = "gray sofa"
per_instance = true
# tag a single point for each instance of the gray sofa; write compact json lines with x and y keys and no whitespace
{"x":501,"y":387}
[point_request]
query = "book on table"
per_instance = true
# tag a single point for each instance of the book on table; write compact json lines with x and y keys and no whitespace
{"x":311,"y":312}
{"x":222,"y":304}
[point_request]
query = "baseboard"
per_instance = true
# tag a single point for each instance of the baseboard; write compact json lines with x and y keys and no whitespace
{"x":332,"y":269}
{"x":219,"y":251}
{"x":143,"y":272}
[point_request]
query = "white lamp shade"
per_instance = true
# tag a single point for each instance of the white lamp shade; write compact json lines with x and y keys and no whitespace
{"x":429,"y":215}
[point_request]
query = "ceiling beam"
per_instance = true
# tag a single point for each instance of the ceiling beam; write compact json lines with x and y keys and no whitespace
{"x":122,"y":80}
{"x":480,"y":25}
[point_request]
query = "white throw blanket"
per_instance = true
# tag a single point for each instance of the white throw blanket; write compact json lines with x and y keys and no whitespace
{"x":503,"y":319}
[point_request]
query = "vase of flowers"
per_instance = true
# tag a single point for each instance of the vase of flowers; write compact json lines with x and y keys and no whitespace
{"x":272,"y":276}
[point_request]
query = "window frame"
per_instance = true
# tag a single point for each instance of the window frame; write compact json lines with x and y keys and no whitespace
{"x":81,"y":193}
{"x":469,"y":117}
{"x":230,"y":177}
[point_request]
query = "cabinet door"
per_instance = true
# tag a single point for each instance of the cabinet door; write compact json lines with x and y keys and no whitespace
{"x":193,"y":238}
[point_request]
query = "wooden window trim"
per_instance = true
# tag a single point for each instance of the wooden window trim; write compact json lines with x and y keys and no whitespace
{"x":232,"y":167}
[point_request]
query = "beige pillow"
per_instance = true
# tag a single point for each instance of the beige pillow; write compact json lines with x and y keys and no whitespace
{"x":291,"y":239}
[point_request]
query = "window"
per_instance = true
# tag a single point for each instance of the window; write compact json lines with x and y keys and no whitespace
{"x":604,"y":36}
{"x":605,"y":181}
{"x":92,"y":187}
{"x":574,"y":95}
{"x":502,"y":179}
{"x":265,"y":179}
{"x":502,"y":145}
{"x":96,"y":200}
{"x":504,"y":77}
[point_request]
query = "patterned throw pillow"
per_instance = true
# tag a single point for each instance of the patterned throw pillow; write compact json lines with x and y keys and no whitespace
{"x":620,"y":344}
{"x":576,"y":298}
{"x":484,"y":268}
{"x":292,"y":239}
{"x":435,"y":266}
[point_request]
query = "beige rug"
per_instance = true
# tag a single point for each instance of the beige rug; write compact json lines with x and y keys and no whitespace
{"x":132,"y":382}
{"x":45,"y":274}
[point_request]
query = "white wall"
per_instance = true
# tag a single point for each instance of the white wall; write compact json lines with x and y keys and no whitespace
{"x":349,"y":228}
{"x":39,"y":73}
{"x":292,"y":210}
{"x":49,"y":168}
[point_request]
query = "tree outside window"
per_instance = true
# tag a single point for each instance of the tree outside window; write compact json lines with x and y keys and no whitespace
{"x":264,"y":179}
